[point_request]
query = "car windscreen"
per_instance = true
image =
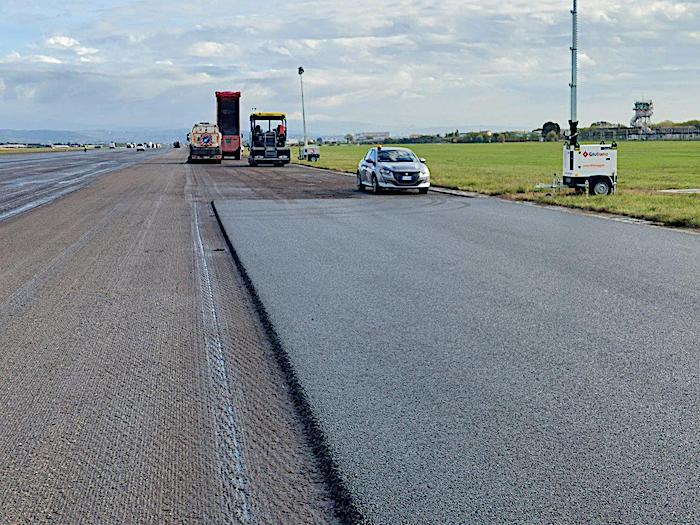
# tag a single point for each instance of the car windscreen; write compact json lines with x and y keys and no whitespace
{"x":396,"y":155}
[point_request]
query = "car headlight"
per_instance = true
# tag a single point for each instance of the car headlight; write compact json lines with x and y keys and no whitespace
{"x":386,"y":172}
{"x":424,"y":171}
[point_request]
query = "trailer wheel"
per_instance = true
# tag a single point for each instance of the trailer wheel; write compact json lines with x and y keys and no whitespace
{"x":600,"y":187}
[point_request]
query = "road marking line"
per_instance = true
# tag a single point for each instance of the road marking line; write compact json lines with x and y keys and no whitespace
{"x":236,"y":495}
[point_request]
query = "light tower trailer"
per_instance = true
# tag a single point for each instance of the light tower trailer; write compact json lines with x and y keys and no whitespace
{"x":306,"y":152}
{"x":588,"y":166}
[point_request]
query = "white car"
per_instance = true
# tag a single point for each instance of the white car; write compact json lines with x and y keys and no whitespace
{"x":393,"y":168}
{"x":140,"y":147}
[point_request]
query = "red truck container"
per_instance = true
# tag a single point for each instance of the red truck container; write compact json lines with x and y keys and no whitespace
{"x":228,"y":112}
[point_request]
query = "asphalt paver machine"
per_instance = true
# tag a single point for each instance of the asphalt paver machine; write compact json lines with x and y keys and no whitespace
{"x":268,"y":139}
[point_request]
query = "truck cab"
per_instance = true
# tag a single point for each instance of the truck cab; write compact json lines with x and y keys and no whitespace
{"x":205,"y":143}
{"x":268,"y":139}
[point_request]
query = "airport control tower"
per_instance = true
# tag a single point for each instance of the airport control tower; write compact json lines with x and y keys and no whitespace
{"x":643,"y":111}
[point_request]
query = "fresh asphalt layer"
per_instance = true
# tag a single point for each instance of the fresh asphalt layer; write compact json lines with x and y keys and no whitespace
{"x":30,"y":180}
{"x":480,"y":361}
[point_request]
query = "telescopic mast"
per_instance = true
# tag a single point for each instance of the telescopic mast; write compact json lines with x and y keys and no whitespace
{"x":303,"y":108}
{"x":573,"y":120}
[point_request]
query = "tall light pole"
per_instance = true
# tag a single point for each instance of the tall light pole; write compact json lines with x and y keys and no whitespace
{"x":573,"y":121}
{"x":303,"y":109}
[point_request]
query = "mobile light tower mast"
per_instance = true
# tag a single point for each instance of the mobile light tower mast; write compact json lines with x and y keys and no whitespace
{"x":306,"y":152}
{"x":573,"y":85}
{"x":588,"y":167}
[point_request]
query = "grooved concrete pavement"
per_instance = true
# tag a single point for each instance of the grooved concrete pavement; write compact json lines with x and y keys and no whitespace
{"x":480,"y":361}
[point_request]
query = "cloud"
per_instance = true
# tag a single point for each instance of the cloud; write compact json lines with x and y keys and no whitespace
{"x":62,"y":42}
{"x":14,"y":57}
{"x":25,"y":92}
{"x":44,"y":59}
{"x":69,"y":43}
{"x":212,"y":49}
{"x":398,"y":62}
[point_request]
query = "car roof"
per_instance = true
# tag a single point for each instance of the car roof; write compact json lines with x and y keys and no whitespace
{"x":392,"y":148}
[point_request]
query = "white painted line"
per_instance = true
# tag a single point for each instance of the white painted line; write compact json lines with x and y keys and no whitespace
{"x":236,"y":505}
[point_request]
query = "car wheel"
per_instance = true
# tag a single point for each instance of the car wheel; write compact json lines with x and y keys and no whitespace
{"x":360,"y":186}
{"x":422,"y":191}
{"x":376,"y":188}
{"x":600,"y":187}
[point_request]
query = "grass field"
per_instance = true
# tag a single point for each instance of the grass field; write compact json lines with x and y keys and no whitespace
{"x":512,"y":170}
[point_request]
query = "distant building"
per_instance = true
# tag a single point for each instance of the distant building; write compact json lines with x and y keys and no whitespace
{"x":372,"y":136}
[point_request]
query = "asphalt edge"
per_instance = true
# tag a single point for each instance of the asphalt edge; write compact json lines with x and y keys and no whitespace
{"x":345,"y":506}
{"x":543,"y":205}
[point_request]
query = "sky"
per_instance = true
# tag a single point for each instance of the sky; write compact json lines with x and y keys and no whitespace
{"x":395,"y":65}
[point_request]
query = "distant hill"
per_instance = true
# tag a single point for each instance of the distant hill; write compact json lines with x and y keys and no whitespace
{"x":52,"y":136}
{"x":326,"y":128}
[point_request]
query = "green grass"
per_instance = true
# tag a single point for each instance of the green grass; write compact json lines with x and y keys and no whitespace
{"x":512,"y":170}
{"x":17,"y":151}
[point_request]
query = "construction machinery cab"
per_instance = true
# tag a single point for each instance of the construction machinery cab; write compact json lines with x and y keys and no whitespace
{"x":268,"y":139}
{"x":205,"y":143}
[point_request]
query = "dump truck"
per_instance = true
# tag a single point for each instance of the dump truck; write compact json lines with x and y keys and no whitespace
{"x":228,"y":109}
{"x":205,"y":143}
{"x":268,"y":139}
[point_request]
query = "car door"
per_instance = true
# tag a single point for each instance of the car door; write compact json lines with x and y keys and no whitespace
{"x":366,"y":170}
{"x":370,"y":164}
